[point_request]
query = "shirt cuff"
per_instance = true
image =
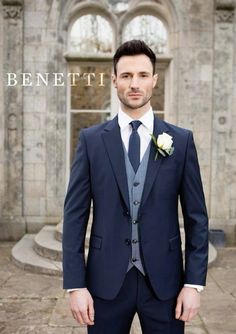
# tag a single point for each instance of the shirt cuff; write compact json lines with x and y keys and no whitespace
{"x":199,"y":288}
{"x":70,"y":290}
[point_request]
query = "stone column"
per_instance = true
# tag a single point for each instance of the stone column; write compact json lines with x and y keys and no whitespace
{"x":12,"y":224}
{"x":223,"y":154}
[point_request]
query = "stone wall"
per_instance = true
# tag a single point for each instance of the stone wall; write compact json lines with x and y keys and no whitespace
{"x":1,"y":116}
{"x":44,"y":150}
{"x":201,"y":88}
{"x":12,"y":217}
{"x":194,"y":62}
{"x":223,"y":155}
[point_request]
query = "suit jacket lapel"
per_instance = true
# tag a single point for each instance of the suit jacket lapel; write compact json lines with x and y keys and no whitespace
{"x":153,"y":165}
{"x":113,"y":143}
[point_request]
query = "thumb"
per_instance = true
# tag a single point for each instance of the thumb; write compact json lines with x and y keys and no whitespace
{"x":178,"y":309}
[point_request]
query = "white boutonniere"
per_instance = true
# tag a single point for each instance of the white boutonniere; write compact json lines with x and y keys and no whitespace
{"x":163,"y":144}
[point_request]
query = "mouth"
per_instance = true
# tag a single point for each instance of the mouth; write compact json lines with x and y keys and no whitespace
{"x":135,"y":95}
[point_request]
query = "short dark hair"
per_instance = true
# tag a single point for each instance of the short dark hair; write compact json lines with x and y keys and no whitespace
{"x":133,"y":48}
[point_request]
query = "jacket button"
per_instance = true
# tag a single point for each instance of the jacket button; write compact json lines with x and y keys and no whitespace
{"x":136,"y":202}
{"x":126,"y":213}
{"x":134,"y":260}
{"x":134,"y":221}
{"x":128,"y":241}
{"x":134,"y":241}
{"x":136,"y":184}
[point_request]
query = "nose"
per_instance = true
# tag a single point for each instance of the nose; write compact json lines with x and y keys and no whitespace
{"x":134,"y":83}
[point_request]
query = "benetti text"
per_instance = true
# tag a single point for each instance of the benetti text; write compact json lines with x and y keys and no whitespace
{"x":26,"y":79}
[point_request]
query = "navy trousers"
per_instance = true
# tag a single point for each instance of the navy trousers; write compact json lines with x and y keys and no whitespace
{"x":135,"y":296}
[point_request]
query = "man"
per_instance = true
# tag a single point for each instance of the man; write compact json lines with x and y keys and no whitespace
{"x":134,"y":180}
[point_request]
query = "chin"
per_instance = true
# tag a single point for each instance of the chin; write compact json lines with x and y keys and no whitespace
{"x":136,"y":107}
{"x":136,"y":104}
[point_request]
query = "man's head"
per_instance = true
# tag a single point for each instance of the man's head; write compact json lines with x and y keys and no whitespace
{"x":133,"y":48}
{"x":134,"y":75}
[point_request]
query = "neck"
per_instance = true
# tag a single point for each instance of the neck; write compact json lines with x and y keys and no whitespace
{"x":135,"y":113}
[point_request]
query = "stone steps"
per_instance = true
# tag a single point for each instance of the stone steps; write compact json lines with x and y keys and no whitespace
{"x":25,"y":257}
{"x":46,"y":245}
{"x":42,"y":252}
{"x":58,"y":232}
{"x":46,"y":242}
{"x":59,"y":229}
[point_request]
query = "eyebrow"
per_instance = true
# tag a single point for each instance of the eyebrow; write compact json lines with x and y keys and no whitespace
{"x":142,"y":72}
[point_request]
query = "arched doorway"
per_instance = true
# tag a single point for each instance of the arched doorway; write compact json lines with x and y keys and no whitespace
{"x":91,"y":98}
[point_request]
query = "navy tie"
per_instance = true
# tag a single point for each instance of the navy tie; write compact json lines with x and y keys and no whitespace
{"x":134,"y":145}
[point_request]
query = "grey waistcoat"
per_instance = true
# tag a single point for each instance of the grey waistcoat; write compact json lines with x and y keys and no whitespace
{"x":135,"y":186}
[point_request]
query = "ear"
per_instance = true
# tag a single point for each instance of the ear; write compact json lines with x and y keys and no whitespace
{"x":114,"y":80}
{"x":155,"y":79}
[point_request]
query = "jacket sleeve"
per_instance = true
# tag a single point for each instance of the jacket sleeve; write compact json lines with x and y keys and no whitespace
{"x":195,"y":218}
{"x":76,"y":214}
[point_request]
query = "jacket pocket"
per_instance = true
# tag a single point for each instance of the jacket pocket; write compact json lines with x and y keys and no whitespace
{"x":95,"y":242}
{"x":175,"y":242}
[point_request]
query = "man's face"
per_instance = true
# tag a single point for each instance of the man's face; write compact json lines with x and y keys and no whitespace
{"x":134,"y":81}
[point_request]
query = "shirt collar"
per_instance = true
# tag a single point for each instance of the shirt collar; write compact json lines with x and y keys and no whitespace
{"x":147,"y":119}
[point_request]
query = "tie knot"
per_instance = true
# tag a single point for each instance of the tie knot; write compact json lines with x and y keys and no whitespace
{"x":135,"y":125}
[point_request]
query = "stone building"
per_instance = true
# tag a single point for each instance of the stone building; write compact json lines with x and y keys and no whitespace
{"x":43,"y":104}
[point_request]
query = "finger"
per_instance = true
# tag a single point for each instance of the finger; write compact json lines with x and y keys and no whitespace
{"x":192,"y":314}
{"x":178,"y":309}
{"x":78,"y":317}
{"x":185,"y":314}
{"x":91,"y":312}
{"x":84,"y":315}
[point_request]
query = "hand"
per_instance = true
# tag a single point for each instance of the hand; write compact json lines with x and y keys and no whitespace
{"x":81,"y":305}
{"x":188,"y":304}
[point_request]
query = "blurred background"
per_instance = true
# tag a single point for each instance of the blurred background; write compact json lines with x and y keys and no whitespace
{"x":195,"y":44}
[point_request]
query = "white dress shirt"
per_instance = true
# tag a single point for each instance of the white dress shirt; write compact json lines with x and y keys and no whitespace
{"x":144,"y":130}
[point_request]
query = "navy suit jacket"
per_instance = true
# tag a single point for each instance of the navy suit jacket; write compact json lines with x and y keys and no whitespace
{"x":98,"y":173}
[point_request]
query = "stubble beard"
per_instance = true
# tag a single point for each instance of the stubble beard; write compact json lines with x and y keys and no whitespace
{"x":126,"y":103}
